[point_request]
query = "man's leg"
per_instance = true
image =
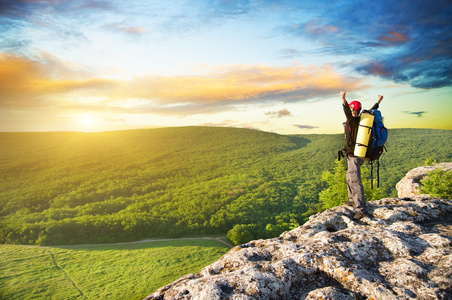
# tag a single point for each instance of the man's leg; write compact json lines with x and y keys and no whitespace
{"x":354,"y":184}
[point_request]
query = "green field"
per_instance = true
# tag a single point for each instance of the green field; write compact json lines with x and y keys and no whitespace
{"x":121,"y":271}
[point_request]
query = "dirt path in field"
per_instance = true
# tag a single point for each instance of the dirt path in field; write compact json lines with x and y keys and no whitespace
{"x":222,"y":240}
{"x":67,"y":276}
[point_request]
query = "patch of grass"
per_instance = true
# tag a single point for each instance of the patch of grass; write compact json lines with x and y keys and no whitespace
{"x":122,"y":271}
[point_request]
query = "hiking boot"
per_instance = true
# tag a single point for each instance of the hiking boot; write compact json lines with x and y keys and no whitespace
{"x":349,"y":203}
{"x":358,"y":215}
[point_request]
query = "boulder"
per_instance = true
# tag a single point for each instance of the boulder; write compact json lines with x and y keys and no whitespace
{"x":409,"y":186}
{"x":402,"y":250}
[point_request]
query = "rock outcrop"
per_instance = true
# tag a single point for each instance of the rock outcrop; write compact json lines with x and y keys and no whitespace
{"x":402,"y":251}
{"x":408,"y":187}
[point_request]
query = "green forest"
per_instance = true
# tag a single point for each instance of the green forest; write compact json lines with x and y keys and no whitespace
{"x":62,"y":188}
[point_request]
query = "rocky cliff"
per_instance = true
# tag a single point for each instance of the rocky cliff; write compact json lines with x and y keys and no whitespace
{"x":402,"y":251}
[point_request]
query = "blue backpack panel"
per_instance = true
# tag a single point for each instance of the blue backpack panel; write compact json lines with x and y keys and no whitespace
{"x":377,"y":142}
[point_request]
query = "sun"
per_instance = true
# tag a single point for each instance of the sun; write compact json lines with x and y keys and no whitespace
{"x":87,"y":122}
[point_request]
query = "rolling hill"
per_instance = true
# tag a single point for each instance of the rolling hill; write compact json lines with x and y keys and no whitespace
{"x":71,"y":187}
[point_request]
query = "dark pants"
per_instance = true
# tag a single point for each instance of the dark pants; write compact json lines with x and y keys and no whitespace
{"x":354,"y":184}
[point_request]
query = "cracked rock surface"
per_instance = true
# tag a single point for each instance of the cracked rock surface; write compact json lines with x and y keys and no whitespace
{"x":402,"y":251}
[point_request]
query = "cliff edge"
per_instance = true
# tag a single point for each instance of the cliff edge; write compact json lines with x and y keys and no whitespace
{"x":403,"y":251}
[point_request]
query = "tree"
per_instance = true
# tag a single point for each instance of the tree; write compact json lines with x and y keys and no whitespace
{"x":430,"y":161}
{"x":336,"y":193}
{"x":240,"y":234}
{"x":438,"y":183}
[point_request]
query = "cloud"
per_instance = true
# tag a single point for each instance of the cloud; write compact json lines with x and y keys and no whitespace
{"x":22,"y":8}
{"x":128,"y":30}
{"x":376,"y":68}
{"x":279,"y":114}
{"x":29,"y":83}
{"x":26,"y":25}
{"x":13,"y":8}
{"x":52,"y":13}
{"x":394,"y":37}
{"x":420,"y":72}
{"x":25,"y":82}
{"x":418,"y":113}
{"x":289,"y":53}
{"x":315,"y":28}
{"x":306,"y":126}
{"x":416,"y":32}
{"x":231,"y":7}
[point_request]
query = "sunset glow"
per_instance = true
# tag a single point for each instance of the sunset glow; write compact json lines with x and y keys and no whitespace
{"x":112,"y":65}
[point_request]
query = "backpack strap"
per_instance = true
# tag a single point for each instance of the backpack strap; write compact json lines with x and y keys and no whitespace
{"x":371,"y":174}
{"x":341,"y":152}
{"x":378,"y":173}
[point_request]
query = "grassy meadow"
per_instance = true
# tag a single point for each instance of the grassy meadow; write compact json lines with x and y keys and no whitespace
{"x":115,"y":271}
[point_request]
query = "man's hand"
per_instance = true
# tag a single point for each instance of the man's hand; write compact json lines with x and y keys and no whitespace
{"x":380,"y":97}
{"x":343,"y":97}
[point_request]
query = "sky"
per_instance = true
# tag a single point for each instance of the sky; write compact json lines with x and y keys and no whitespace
{"x":271,"y":65}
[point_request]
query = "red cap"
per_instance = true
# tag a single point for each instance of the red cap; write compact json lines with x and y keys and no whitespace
{"x":356,"y":105}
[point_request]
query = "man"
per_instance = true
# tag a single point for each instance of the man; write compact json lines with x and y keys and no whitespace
{"x":354,"y":184}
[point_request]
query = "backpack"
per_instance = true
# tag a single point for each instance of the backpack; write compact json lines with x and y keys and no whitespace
{"x":378,"y":137}
{"x":377,"y":141}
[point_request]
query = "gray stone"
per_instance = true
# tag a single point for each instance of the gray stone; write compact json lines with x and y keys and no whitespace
{"x":409,"y":186}
{"x":402,"y":251}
